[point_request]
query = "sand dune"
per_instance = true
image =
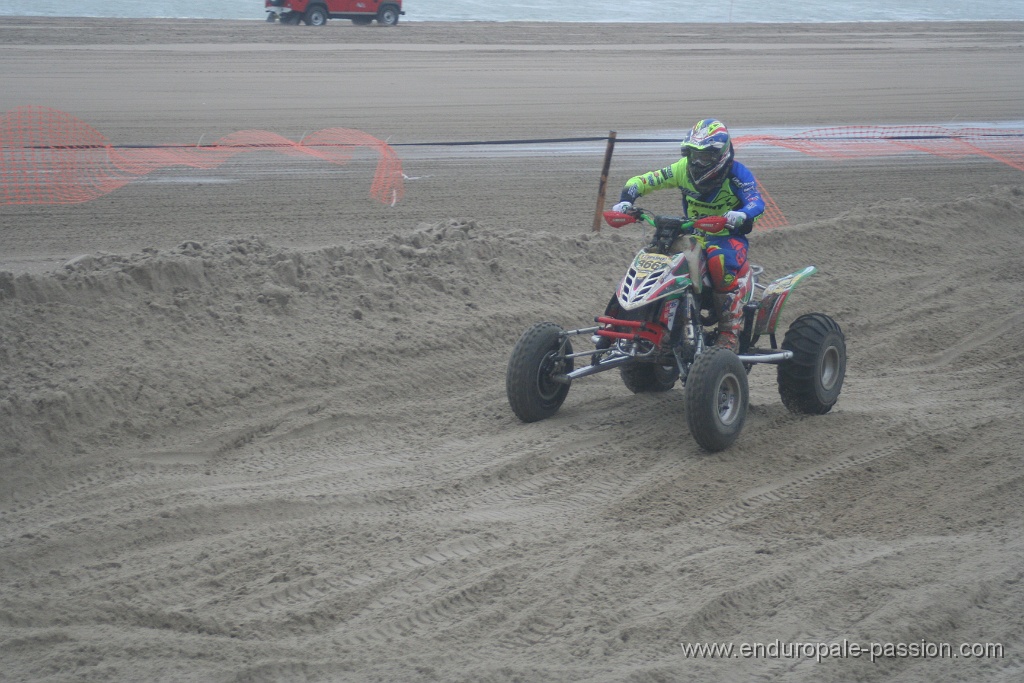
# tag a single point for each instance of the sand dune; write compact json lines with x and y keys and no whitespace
{"x":256,"y":430}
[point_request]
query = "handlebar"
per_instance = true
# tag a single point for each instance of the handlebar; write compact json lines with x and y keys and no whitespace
{"x":709,"y":224}
{"x":666,"y":228}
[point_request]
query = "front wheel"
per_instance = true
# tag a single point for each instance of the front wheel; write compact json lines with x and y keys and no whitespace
{"x":811,"y":380}
{"x":538,"y":356}
{"x":388,"y":15}
{"x":717,"y":397}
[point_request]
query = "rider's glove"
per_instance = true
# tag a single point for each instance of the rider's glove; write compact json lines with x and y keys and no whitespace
{"x":623,"y":207}
{"x":734,"y":219}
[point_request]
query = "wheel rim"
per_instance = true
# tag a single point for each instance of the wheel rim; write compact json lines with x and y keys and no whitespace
{"x":547,"y":387}
{"x":729,"y":399}
{"x":830,"y":364}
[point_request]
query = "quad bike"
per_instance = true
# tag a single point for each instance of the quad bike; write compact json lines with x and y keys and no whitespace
{"x":659,"y":328}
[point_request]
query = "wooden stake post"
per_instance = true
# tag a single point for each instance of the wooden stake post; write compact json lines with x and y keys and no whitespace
{"x":604,"y":180}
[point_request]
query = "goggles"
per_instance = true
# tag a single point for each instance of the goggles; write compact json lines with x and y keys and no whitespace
{"x":708,"y":156}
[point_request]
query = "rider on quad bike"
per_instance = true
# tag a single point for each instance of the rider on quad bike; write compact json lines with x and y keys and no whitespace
{"x":654,"y":330}
{"x":712,"y":184}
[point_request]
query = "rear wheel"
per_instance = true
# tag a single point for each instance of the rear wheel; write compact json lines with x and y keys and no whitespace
{"x":538,"y":356}
{"x":717,"y":398}
{"x":649,"y":377}
{"x":388,"y":15}
{"x":811,"y":380}
{"x":316,"y":15}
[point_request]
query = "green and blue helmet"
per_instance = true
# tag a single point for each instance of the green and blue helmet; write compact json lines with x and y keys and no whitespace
{"x":708,"y":149}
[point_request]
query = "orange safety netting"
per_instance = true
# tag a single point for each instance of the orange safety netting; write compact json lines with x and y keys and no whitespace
{"x":772,"y":216}
{"x":50,"y":157}
{"x":858,"y":142}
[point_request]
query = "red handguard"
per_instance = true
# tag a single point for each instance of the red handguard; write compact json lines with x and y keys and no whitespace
{"x":617,"y":219}
{"x":711,"y":224}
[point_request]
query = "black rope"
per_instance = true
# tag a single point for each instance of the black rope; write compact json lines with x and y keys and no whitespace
{"x":549,"y":141}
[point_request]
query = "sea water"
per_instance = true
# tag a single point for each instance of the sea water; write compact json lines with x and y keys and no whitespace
{"x":681,"y":11}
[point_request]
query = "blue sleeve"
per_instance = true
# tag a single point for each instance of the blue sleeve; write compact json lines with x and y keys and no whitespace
{"x":745,"y":186}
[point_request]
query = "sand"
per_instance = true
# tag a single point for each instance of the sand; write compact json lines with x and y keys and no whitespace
{"x":253,"y":424}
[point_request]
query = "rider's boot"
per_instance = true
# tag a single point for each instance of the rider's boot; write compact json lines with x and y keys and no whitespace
{"x":730,"y":319}
{"x":729,"y":306}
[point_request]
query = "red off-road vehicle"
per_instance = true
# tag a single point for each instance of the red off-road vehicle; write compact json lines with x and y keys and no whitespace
{"x":317,"y":12}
